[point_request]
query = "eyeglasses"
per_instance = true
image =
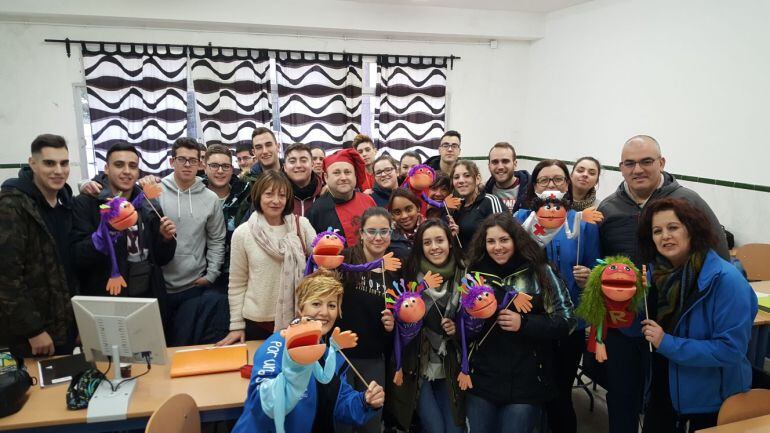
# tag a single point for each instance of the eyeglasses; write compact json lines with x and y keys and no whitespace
{"x":215,"y":167}
{"x":447,"y":146}
{"x":384,"y":172}
{"x":373,"y":233}
{"x":644,"y":163}
{"x":557,"y":180}
{"x":185,"y":161}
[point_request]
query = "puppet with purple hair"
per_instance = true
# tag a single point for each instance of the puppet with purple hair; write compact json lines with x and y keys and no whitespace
{"x":418,"y":180}
{"x":327,"y":254}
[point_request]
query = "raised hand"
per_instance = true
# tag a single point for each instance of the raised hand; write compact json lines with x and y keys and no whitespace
{"x":432,"y":280}
{"x":593,"y":216}
{"x":344,"y":339}
{"x":391,"y":263}
{"x":452,"y":202}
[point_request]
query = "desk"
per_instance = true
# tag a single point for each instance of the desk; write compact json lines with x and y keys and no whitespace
{"x":761,"y":330}
{"x":753,"y":425}
{"x":219,"y":397}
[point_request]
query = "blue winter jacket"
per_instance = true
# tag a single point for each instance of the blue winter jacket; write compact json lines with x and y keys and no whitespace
{"x":350,"y":407}
{"x":562,"y":252}
{"x":707,"y":350}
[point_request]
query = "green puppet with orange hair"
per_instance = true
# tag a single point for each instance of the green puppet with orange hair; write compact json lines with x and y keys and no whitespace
{"x":613,"y":294}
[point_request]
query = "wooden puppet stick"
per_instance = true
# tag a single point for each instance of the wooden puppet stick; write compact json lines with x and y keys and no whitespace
{"x":157,"y":213}
{"x":646,"y":311}
{"x":491,"y":328}
{"x":355,"y":370}
{"x":456,"y":237}
{"x":435,"y":304}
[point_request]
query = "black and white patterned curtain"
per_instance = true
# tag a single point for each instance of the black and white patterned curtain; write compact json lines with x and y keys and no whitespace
{"x":232,"y":93}
{"x":136,"y":94}
{"x":320,"y":100}
{"x":411,"y":104}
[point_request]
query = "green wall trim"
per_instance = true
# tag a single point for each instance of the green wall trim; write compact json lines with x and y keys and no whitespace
{"x":705,"y":180}
{"x":19,"y":165}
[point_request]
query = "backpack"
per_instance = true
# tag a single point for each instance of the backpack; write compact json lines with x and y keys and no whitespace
{"x":14,"y":383}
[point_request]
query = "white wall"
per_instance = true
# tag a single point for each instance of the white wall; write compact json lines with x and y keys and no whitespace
{"x":487,"y":87}
{"x":693,"y":74}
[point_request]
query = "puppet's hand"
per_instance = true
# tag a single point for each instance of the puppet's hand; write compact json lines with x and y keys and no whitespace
{"x":601,"y":352}
{"x":593,"y":216}
{"x":391,"y":263}
{"x":151,"y":190}
{"x":115,"y":285}
{"x":465,"y":381}
{"x":344,"y":340}
{"x":398,"y":378}
{"x":432,"y":280}
{"x":523,"y":302}
{"x":452,"y":202}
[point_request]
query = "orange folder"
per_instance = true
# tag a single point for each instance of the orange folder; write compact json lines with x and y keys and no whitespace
{"x":206,"y":360}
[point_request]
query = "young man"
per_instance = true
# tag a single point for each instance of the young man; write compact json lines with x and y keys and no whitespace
{"x":304,"y":182}
{"x":507,"y":183}
{"x":341,"y":207}
{"x":266,"y":150}
{"x":365,"y":147}
{"x":245,"y":157}
{"x":448,"y":153}
{"x":36,"y":283}
{"x":140,"y":251}
{"x":231,"y":193}
{"x":199,"y":253}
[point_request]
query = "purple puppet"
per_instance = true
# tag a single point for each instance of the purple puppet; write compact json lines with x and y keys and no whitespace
{"x":327,"y":248}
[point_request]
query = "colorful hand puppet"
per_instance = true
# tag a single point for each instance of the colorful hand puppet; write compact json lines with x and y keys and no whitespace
{"x":327,"y":254}
{"x":117,"y":216}
{"x":479,"y":304}
{"x":551,"y":215}
{"x":418,"y":180}
{"x":610,"y":299}
{"x":408,"y":311}
{"x":303,"y":349}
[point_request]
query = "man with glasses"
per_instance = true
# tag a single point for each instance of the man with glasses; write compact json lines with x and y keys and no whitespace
{"x":341,"y":207}
{"x":448,"y":153}
{"x":245,"y":157}
{"x":507,"y":183}
{"x":140,"y":253}
{"x":200,"y":250}
{"x":645,"y":180}
{"x":231,"y":192}
{"x":306,"y":185}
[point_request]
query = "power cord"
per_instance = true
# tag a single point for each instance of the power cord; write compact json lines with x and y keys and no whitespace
{"x":114,"y":387}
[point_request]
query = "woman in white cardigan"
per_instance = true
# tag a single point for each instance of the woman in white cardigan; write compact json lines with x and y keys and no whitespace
{"x":267,"y":261}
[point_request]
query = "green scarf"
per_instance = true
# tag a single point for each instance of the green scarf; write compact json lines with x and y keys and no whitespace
{"x":675,"y":286}
{"x":447,"y":271}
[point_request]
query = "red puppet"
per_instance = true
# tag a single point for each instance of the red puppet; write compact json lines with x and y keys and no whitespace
{"x":419,"y":179}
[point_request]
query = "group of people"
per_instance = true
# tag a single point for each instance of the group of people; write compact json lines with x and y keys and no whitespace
{"x":226,"y":255}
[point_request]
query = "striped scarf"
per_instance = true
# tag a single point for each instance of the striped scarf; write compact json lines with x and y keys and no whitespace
{"x":675,"y":286}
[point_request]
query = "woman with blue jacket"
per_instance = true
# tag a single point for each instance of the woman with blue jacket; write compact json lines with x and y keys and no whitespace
{"x":574,"y":267}
{"x":701,"y":314}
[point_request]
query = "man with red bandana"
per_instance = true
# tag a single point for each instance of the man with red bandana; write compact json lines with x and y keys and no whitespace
{"x":341,"y":207}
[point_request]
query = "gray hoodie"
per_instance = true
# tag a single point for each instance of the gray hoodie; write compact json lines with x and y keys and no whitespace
{"x":200,"y":233}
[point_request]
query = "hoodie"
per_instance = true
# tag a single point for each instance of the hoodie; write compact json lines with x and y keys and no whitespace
{"x":306,"y":196}
{"x":200,"y":233}
{"x":513,"y":205}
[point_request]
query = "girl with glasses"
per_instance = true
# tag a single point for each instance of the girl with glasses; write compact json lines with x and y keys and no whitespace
{"x":365,"y":314}
{"x":385,"y":179}
{"x":563,"y":252}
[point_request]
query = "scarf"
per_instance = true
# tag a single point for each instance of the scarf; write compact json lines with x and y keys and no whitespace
{"x":307,"y":191}
{"x":445,"y":301}
{"x":590,"y":200}
{"x":675,"y":286}
{"x":288,"y":249}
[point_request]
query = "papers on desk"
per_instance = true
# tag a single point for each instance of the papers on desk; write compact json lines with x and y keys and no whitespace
{"x":191,"y":362}
{"x":764,"y":300}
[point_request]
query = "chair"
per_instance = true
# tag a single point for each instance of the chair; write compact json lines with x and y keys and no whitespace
{"x":751,"y":404}
{"x":178,"y":414}
{"x":755,"y":259}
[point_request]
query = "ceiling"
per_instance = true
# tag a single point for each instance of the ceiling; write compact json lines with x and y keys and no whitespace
{"x":534,"y":6}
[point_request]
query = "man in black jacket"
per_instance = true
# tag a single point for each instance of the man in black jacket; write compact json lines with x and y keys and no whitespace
{"x":507,"y":183}
{"x":140,"y":252}
{"x":448,"y":153}
{"x":644,"y":182}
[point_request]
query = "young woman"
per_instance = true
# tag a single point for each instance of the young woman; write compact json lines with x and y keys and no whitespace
{"x":476,"y":205}
{"x":318,"y":155}
{"x":433,"y":384}
{"x":584,"y":179}
{"x":512,"y":370}
{"x":700,"y":319}
{"x":385,"y":179}
{"x":404,"y":208}
{"x":563,"y":253}
{"x":408,"y":160}
{"x":319,"y":297}
{"x":267,"y":260}
{"x":366,"y":314}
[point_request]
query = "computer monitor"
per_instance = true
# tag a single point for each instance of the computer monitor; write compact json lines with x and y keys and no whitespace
{"x":123,"y":329}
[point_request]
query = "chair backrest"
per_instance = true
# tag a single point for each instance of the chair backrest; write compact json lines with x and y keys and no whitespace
{"x":755,"y":259}
{"x":751,"y":404}
{"x":178,"y":414}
